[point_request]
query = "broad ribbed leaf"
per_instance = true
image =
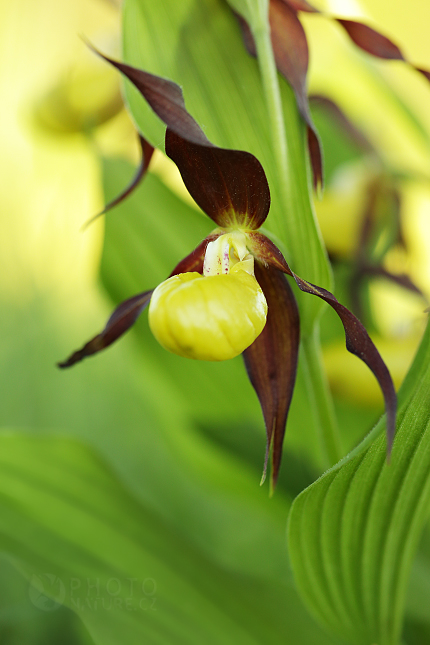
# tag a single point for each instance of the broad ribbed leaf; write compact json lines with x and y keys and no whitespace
{"x":271,"y":361}
{"x":124,"y":316}
{"x":229,"y":185}
{"x":358,"y":341}
{"x":85,"y":542}
{"x":353,"y":533}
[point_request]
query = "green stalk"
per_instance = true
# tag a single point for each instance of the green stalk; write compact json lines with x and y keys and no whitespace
{"x":321,"y":399}
{"x":292,"y":217}
{"x":296,"y":227}
{"x":269,"y":76}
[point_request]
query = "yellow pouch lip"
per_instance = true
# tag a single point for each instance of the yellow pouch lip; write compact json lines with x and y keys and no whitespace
{"x":211,"y":318}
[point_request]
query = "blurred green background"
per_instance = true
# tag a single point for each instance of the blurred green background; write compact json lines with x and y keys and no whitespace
{"x":129,"y":484}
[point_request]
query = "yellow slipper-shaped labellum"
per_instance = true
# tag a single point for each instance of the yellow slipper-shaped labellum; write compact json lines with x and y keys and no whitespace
{"x":210,"y":318}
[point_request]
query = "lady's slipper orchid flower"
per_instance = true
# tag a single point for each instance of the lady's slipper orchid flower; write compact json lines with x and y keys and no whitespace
{"x":215,"y":302}
{"x":214,"y":316}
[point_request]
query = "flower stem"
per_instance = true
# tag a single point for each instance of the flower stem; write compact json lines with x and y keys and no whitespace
{"x":296,"y":227}
{"x":292,"y":216}
{"x":269,"y":77}
{"x":320,"y":397}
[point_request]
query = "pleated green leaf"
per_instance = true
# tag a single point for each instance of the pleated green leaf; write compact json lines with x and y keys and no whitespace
{"x":84,"y":542}
{"x":354,"y":532}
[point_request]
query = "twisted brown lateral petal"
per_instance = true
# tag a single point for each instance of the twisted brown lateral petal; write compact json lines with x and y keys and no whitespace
{"x":124,"y":316}
{"x":358,"y":341}
{"x":271,"y":361}
{"x":229,"y":185}
{"x":146,"y":155}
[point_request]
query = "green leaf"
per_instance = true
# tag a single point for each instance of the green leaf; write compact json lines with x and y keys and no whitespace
{"x":24,"y":623}
{"x":354,"y":532}
{"x":84,"y":542}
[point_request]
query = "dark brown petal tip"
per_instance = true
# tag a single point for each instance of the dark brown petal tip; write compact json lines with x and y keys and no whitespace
{"x":165,"y":98}
{"x":271,"y":361}
{"x":358,"y":341}
{"x":124,"y":316}
{"x":371,"y":40}
{"x":146,"y":155}
{"x":229,"y":185}
{"x":374,"y":43}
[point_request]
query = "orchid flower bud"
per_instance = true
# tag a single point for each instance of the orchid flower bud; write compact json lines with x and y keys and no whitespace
{"x":214,"y":316}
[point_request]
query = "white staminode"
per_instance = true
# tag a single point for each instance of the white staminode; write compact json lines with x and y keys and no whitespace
{"x":225,"y":252}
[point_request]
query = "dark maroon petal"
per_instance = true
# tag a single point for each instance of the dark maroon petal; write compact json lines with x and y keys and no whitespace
{"x":229,"y":185}
{"x":124,"y":316}
{"x":165,"y":98}
{"x":290,"y":48}
{"x":271,"y":361}
{"x":291,"y":53}
{"x":315,"y":156}
{"x":357,"y":338}
{"x":146,"y":155}
{"x":370,"y":40}
{"x":194,"y":261}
